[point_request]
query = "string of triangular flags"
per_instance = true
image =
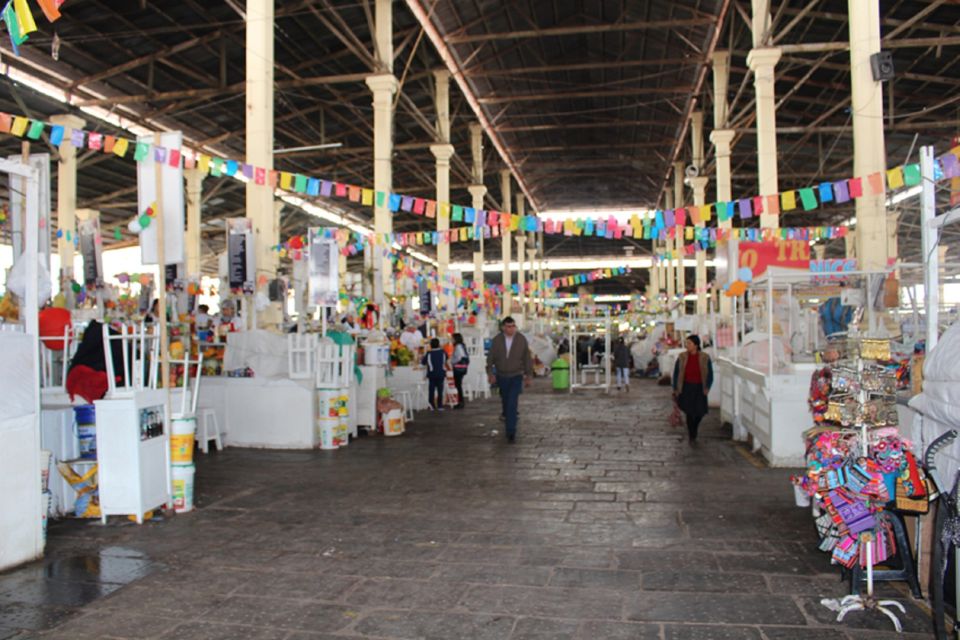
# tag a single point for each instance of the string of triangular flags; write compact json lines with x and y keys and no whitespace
{"x":490,"y":223}
{"x":19,"y":19}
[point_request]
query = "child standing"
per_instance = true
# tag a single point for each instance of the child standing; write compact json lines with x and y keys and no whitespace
{"x":621,"y":362}
{"x":436,"y":363}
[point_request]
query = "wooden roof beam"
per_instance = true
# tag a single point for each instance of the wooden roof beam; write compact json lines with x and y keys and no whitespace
{"x":561,"y":95}
{"x":582,"y":29}
{"x":238,"y":87}
{"x":478,"y":72}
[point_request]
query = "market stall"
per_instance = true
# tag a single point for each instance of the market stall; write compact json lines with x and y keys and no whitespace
{"x":763,"y":382}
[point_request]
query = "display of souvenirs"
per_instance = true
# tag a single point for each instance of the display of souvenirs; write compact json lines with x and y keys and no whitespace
{"x":857,"y":464}
{"x":852,"y":490}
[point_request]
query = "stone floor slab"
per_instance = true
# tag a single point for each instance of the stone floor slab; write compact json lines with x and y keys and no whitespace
{"x":600,"y":523}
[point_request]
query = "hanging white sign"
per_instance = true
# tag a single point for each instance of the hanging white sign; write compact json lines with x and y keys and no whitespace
{"x":324,"y":276}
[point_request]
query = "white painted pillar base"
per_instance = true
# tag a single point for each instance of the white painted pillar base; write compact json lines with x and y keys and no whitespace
{"x":194,"y":178}
{"x":477,"y":193}
{"x":383,"y":86}
{"x":699,"y":199}
{"x":721,"y":139}
{"x":67,"y":198}
{"x":259,"y":134}
{"x":506,"y":250}
{"x":762,"y":62}
{"x":443,"y":153}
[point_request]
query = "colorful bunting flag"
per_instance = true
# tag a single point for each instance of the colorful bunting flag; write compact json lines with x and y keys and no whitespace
{"x":855,"y":185}
{"x":895,"y":177}
{"x":911,"y":175}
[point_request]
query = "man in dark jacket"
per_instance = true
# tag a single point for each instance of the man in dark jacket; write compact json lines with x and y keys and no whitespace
{"x":510,"y":366}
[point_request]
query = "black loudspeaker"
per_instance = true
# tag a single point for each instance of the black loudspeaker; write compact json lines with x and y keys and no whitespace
{"x":277,"y":290}
{"x":881,"y":63}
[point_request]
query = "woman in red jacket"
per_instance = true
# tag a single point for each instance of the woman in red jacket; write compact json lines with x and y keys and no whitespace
{"x":692,"y":379}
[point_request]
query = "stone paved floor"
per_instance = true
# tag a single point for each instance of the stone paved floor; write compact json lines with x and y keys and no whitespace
{"x":601,"y":522}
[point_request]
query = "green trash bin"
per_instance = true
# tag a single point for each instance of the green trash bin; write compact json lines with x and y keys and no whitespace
{"x":561,"y":374}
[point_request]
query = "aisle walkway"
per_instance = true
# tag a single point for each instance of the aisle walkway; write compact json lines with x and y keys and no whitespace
{"x":600,"y":523}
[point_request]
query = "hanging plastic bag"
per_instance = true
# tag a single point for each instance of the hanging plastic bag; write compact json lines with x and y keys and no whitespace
{"x":676,"y":418}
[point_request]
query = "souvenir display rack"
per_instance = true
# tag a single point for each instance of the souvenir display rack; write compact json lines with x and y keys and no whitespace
{"x":858,"y":464}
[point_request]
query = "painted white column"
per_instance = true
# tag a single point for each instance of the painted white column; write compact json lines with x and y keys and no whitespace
{"x":477,"y":193}
{"x":699,"y":199}
{"x":383,"y":87}
{"x":443,"y":152}
{"x":670,"y":271}
{"x":678,"y":199}
{"x":869,"y":151}
{"x":762,"y":62}
{"x":521,"y":239}
{"x":67,"y":198}
{"x":505,"y":239}
{"x":531,"y":273}
{"x":194,"y":178}
{"x":696,"y":138}
{"x":721,"y":83}
{"x":721,"y":139}
{"x":259,"y":134}
{"x":850,"y":243}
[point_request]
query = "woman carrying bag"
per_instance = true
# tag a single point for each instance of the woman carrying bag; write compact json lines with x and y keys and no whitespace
{"x":461,"y":362}
{"x":692,"y":379}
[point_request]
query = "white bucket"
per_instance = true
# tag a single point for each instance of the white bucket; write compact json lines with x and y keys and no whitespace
{"x":328,"y":401}
{"x":327,"y":429}
{"x":393,"y":422}
{"x":342,"y":433}
{"x":800,"y":497}
{"x":184,"y":430}
{"x":182,"y":476}
{"x":45,"y":457}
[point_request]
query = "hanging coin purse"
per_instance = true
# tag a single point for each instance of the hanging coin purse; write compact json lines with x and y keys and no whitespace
{"x":875,"y":349}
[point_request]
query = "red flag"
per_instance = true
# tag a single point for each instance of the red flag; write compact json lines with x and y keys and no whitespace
{"x":856,"y":187}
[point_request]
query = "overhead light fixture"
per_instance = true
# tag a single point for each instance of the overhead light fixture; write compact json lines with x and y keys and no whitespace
{"x":576,"y":264}
{"x":312,"y":147}
{"x":621,"y":215}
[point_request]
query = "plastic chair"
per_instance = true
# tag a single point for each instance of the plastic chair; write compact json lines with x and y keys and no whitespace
{"x":204,"y":432}
{"x":420,"y":397}
{"x":407,"y":401}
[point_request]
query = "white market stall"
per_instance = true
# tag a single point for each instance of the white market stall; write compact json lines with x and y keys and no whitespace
{"x":764,"y":382}
{"x":22,"y":508}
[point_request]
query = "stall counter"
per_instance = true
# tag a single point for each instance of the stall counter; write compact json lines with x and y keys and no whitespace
{"x":263,"y":413}
{"x":772,"y":409}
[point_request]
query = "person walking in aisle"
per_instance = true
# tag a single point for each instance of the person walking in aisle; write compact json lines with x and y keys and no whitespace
{"x":510,"y":366}
{"x":621,"y":361}
{"x":692,"y":379}
{"x":461,"y":362}
{"x":435,"y":361}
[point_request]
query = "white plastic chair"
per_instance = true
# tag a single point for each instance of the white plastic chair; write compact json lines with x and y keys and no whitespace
{"x":204,"y":432}
{"x":140,"y":352}
{"x":302,"y":355}
{"x":404,"y":397}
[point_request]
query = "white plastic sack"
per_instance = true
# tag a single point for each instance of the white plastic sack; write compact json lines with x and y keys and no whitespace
{"x":17,"y":280}
{"x":543,"y":349}
{"x":940,"y":399}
